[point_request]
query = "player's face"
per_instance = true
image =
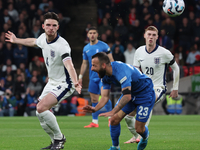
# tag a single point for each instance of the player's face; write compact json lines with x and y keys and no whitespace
{"x":92,"y":35}
{"x":96,"y":66}
{"x":151,"y":37}
{"x":50,"y":27}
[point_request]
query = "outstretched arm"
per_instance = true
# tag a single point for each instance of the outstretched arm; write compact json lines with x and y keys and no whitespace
{"x":10,"y":37}
{"x":124,"y":100}
{"x":70,"y":68}
{"x":105,"y":93}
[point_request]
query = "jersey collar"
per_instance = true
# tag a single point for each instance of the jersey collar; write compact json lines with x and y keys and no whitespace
{"x":153,"y":50}
{"x":54,"y":39}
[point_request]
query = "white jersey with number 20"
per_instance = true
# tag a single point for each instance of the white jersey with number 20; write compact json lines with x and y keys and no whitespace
{"x":154,"y":64}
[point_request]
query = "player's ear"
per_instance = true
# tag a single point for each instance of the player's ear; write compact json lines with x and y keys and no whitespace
{"x":157,"y":37}
{"x":42,"y":26}
{"x":103,"y":65}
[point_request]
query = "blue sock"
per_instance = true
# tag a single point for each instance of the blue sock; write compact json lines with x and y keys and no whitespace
{"x":115,"y":132}
{"x":95,"y":115}
{"x":145,"y":134}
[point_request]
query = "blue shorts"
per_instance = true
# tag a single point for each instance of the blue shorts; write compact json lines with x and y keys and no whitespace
{"x":143,"y":109}
{"x":95,"y":86}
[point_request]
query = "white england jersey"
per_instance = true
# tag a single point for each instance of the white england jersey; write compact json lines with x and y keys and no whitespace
{"x":53,"y":54}
{"x":154,"y":64}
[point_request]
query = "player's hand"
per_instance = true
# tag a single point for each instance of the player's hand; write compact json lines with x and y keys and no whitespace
{"x":10,"y":37}
{"x":80,"y":81}
{"x":78,"y":88}
{"x":107,"y":114}
{"x":89,"y":109}
{"x":174,"y":94}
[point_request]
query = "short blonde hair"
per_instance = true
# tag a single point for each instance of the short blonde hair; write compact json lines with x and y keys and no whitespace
{"x":151,"y":28}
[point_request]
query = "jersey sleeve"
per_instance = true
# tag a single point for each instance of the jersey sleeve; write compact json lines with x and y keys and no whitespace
{"x":65,"y":51}
{"x":106,"y":49}
{"x":40,"y":40}
{"x":169,"y":58}
{"x":123,"y":75}
{"x":105,"y":84}
{"x":136,"y":62}
{"x":84,"y":54}
{"x":125,"y":80}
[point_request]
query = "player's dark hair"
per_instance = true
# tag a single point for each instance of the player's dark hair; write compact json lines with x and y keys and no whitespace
{"x":51,"y":15}
{"x":93,"y":28}
{"x":103,"y":57}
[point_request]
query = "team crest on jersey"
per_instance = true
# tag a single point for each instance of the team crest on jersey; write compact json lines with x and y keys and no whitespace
{"x":52,"y":53}
{"x":97,"y":50}
{"x":157,"y":60}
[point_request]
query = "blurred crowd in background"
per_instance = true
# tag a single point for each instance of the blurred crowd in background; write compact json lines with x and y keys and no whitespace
{"x":121,"y":24}
{"x":22,"y":70}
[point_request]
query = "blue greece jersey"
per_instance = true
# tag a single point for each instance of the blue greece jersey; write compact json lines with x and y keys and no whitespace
{"x":142,"y":92}
{"x":127,"y":75}
{"x":88,"y":52}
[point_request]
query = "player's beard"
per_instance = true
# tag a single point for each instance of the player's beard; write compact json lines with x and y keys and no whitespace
{"x":93,"y":40}
{"x":102,"y":73}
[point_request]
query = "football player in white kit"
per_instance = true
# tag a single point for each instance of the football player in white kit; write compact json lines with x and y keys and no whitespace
{"x":153,"y":61}
{"x":62,"y":76}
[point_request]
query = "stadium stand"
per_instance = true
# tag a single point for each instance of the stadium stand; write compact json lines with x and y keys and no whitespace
{"x":123,"y":20}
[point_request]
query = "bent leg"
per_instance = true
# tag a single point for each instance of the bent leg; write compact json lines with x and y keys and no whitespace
{"x":47,"y":119}
{"x":115,"y":128}
{"x":144,"y":132}
{"x":130,"y":121}
{"x":94,"y":100}
{"x":94,"y":123}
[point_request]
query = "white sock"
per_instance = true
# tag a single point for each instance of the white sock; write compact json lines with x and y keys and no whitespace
{"x":130,"y":121}
{"x":45,"y":127}
{"x":95,"y":121}
{"x":148,"y":121}
{"x":51,"y":122}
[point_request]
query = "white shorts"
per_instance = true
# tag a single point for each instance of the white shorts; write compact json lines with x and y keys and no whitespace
{"x":61,"y":90}
{"x":160,"y":92}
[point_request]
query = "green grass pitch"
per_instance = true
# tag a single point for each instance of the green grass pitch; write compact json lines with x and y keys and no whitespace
{"x":166,"y":133}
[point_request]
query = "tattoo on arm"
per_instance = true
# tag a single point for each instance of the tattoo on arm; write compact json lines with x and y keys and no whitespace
{"x":123,"y":102}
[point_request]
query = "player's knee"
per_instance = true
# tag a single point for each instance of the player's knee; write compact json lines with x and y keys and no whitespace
{"x":39,"y":108}
{"x":114,"y":121}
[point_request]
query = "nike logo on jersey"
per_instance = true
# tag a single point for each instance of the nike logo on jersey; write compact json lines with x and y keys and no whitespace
{"x":141,"y":117}
{"x":141,"y":60}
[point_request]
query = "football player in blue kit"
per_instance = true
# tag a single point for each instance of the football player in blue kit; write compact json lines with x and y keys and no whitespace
{"x":137,"y":93}
{"x":89,"y":50}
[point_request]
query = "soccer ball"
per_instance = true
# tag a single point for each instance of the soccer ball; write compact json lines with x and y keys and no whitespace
{"x":173,"y":8}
